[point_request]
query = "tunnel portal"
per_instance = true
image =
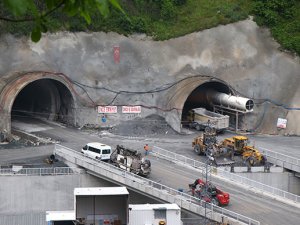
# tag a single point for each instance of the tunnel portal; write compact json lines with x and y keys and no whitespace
{"x":217,"y":97}
{"x":44,"y":98}
{"x":198,"y":98}
{"x":28,"y":95}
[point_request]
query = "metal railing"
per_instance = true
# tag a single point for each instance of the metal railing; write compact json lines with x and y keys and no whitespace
{"x":282,"y":160}
{"x":225,"y":174}
{"x":37,"y":171}
{"x":153,"y":188}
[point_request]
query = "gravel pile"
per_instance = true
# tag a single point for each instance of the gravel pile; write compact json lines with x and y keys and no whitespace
{"x":150,"y":126}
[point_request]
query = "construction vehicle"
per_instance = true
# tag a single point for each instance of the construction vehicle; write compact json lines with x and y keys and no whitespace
{"x":209,"y":193}
{"x":223,"y":153}
{"x":201,"y":118}
{"x":239,"y":146}
{"x":130,"y":160}
{"x":207,"y":144}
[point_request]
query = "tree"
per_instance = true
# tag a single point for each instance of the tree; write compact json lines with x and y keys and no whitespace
{"x":37,"y":11}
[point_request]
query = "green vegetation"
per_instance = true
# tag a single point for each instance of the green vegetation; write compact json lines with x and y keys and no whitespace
{"x":35,"y":13}
{"x":165,"y":19}
{"x":283,"y":18}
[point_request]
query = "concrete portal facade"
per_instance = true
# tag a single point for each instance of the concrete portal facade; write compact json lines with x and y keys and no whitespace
{"x":13,"y":84}
{"x":159,"y":76}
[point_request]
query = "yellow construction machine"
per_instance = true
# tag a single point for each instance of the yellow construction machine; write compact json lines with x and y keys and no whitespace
{"x":205,"y":141}
{"x":223,"y":152}
{"x":207,"y":144}
{"x":239,"y":145}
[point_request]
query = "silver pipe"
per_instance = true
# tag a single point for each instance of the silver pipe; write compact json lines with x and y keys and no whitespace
{"x":230,"y":101}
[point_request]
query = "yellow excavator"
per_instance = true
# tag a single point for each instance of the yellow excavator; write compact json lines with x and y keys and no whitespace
{"x":239,"y":145}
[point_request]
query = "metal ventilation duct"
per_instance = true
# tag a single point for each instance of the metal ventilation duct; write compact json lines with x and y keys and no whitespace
{"x":231,"y":101}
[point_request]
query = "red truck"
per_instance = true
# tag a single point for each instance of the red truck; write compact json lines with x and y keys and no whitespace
{"x":209,"y":193}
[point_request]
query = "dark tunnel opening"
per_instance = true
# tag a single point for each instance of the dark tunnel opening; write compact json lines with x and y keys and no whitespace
{"x":199,"y":99}
{"x":44,"y":98}
{"x":215,"y":104}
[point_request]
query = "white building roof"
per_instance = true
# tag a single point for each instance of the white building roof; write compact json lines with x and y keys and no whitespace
{"x":101,"y":191}
{"x":154,"y":206}
{"x":60,"y":215}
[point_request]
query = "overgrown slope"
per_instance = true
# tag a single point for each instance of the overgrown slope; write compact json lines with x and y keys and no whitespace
{"x":165,"y":19}
{"x":283,"y":18}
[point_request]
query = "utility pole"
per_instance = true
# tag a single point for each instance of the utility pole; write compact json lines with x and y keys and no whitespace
{"x":207,"y":170}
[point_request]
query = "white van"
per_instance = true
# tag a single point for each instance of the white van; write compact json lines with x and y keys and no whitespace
{"x":97,"y":150}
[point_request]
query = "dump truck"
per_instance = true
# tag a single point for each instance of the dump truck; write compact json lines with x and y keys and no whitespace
{"x":131,"y":161}
{"x":239,"y":146}
{"x":200,"y":118}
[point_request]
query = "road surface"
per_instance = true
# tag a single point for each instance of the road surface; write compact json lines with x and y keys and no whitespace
{"x":255,"y":206}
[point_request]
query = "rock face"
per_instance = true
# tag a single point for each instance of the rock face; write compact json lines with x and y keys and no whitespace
{"x":110,"y":69}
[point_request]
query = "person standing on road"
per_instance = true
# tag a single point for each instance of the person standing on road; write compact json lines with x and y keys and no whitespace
{"x":146,"y":148}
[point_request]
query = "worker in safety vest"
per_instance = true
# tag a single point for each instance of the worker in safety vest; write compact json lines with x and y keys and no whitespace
{"x":146,"y":148}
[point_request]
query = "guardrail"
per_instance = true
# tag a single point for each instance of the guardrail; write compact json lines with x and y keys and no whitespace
{"x":225,"y":174}
{"x":153,"y":188}
{"x":37,"y":171}
{"x":282,"y":160}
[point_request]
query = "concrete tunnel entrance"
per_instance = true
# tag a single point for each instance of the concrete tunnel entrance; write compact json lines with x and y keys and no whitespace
{"x":45,"y":98}
{"x":30,"y":95}
{"x":210,"y":95}
{"x":198,"y":98}
{"x":202,"y":91}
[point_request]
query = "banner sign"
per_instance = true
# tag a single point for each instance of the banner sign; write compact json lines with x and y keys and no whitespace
{"x":281,"y":123}
{"x":107,"y":109}
{"x":131,"y":109}
{"x":117,"y":54}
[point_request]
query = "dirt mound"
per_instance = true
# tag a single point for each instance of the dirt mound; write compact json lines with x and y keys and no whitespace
{"x":150,"y":126}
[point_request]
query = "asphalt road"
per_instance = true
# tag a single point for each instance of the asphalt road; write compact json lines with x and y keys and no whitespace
{"x":252,"y":205}
{"x":261,"y":208}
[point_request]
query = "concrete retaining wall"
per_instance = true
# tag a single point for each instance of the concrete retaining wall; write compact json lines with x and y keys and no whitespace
{"x":22,"y":194}
{"x":29,"y":194}
{"x":284,"y":181}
